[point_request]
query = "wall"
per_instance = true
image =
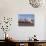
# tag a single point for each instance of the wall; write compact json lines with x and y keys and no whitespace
{"x":11,"y":8}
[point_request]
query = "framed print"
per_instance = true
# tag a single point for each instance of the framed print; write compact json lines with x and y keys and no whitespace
{"x":26,"y":20}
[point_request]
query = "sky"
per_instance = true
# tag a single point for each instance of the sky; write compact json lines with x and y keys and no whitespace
{"x":27,"y":16}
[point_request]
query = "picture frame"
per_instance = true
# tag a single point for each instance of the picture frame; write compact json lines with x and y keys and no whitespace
{"x":26,"y":20}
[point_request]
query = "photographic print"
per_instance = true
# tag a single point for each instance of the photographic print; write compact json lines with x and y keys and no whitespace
{"x":26,"y":20}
